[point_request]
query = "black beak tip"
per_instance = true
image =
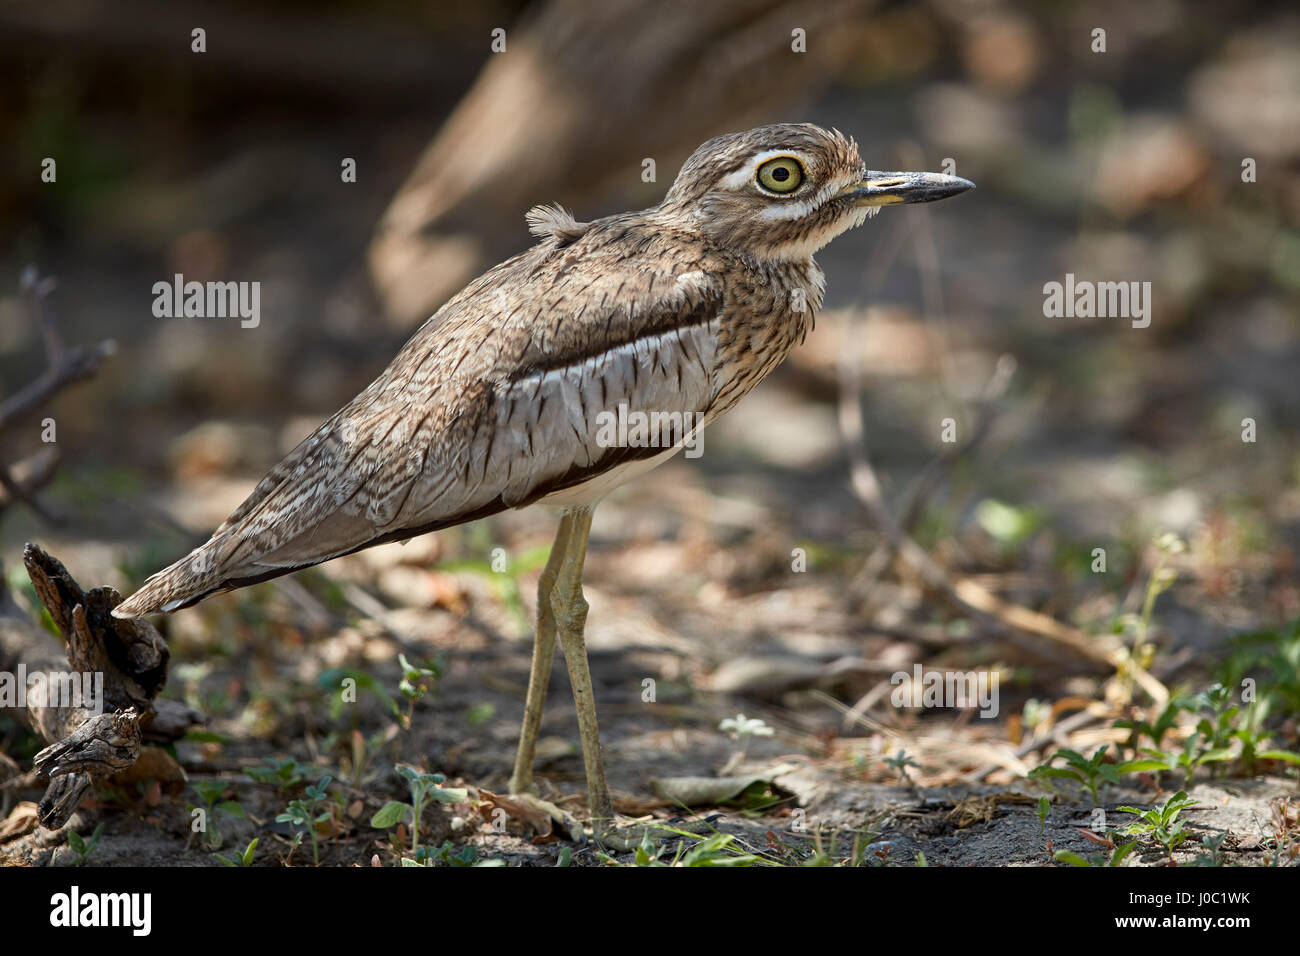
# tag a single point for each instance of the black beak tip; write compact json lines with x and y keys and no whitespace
{"x":954,"y":187}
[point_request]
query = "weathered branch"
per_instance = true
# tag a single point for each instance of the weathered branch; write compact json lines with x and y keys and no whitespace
{"x":102,"y":734}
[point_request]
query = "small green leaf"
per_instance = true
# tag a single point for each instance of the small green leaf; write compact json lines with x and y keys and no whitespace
{"x":449,"y":794}
{"x":1217,"y":755}
{"x":1121,"y":852}
{"x":1286,"y":755}
{"x":1143,"y":766}
{"x":1070,"y":857}
{"x":1056,"y":772}
{"x":390,"y":814}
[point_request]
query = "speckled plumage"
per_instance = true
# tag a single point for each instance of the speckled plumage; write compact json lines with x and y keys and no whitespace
{"x":683,"y":307}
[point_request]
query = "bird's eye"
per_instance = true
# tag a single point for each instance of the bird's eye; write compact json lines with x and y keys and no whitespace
{"x":780,"y":175}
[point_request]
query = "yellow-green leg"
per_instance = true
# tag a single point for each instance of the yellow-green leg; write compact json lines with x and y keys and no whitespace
{"x":570,"y":610}
{"x":562,"y":614}
{"x":521,"y":781}
{"x":522,"y":786}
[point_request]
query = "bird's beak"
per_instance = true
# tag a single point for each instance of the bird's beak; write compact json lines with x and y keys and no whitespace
{"x":886,"y":189}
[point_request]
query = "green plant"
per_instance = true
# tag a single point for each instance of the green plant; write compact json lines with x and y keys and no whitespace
{"x":1162,"y":578}
{"x":281,"y":774}
{"x":1211,"y":851}
{"x":1044,"y":805}
{"x":304,"y":814}
{"x":1224,"y":733}
{"x":900,"y":763}
{"x":1091,"y":771}
{"x":1117,"y":856}
{"x":1162,"y":824}
{"x":1194,"y":755}
{"x":424,"y":787}
{"x":241,"y":859}
{"x":215,"y":810}
{"x":84,"y":847}
{"x":716,"y":850}
{"x":415,"y":683}
{"x":1271,"y":661}
{"x":333,"y":681}
{"x":864,"y":839}
{"x":450,"y":855}
{"x":1155,"y":732}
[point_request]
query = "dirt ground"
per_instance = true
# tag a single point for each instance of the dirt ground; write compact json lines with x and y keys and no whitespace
{"x":786,"y":657}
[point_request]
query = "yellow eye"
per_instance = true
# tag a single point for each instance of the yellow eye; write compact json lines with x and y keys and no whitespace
{"x":780,"y":175}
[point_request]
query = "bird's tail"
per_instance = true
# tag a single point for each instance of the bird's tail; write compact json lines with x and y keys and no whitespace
{"x":186,"y":582}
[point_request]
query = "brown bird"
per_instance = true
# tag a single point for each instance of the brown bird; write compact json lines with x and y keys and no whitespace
{"x":503,"y":398}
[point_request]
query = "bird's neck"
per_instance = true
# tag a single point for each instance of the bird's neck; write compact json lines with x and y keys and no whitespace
{"x":800,"y":282}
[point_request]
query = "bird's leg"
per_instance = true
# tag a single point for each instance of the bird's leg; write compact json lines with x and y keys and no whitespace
{"x":570,"y":609}
{"x":562,"y":613}
{"x":521,"y":781}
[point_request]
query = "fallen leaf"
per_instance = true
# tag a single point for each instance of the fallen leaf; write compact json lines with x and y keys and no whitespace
{"x":536,"y":818}
{"x":704,"y":791}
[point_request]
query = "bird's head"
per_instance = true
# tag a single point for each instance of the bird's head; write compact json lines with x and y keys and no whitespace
{"x":782,"y":192}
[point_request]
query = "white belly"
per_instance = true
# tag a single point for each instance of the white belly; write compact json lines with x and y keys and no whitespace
{"x":590,"y":492}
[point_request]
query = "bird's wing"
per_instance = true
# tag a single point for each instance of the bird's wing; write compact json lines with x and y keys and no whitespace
{"x":494,"y":403}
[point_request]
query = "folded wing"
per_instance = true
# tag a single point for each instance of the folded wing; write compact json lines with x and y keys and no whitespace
{"x":505,"y":396}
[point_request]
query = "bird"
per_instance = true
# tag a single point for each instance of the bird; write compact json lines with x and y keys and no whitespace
{"x":496,"y":401}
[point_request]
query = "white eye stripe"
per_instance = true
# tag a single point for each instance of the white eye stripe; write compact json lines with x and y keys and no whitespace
{"x":797,"y":208}
{"x":789,"y":210}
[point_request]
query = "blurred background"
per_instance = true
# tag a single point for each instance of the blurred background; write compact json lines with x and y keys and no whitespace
{"x":1072,"y":434}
